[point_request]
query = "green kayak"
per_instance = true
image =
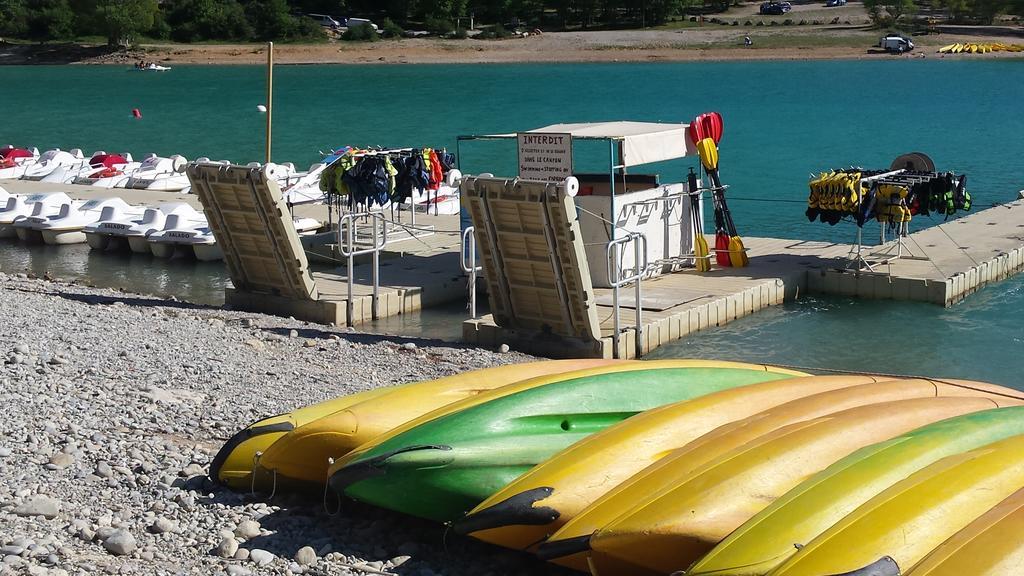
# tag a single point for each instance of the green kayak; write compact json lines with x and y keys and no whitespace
{"x":444,"y":467}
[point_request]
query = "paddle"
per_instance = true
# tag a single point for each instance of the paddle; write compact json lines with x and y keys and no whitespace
{"x":709,"y":158}
{"x":700,"y":243}
{"x":713,"y":126}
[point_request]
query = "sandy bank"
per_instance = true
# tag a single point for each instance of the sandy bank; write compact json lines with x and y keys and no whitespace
{"x":707,"y":43}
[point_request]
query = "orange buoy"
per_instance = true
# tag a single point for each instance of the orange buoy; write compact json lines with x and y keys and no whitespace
{"x":136,"y":113}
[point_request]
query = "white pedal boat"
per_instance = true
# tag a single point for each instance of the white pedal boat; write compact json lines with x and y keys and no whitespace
{"x":158,"y":173}
{"x":108,"y":171}
{"x":67,"y":173}
{"x":199,"y":237}
{"x":52,"y":160}
{"x":303,"y":187}
{"x":179,"y":233}
{"x":21,"y":207}
{"x":133,"y":231}
{"x":68,"y":225}
{"x":14,"y":161}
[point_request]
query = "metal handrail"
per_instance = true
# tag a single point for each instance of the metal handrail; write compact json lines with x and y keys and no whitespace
{"x":468,"y":264}
{"x":346,"y":246}
{"x":640,"y":260}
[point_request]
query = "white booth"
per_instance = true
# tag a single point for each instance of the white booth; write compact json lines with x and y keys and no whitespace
{"x":618,"y":202}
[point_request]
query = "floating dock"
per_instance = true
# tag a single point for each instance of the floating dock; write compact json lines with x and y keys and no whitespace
{"x":941,"y":265}
{"x":418,"y":268}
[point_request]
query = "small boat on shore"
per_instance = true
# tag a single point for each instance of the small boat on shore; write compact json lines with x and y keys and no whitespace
{"x":68,"y":225}
{"x":67,"y":173}
{"x":14,"y":161}
{"x":53,"y":160}
{"x":179,"y":234}
{"x":159,"y":173}
{"x":303,"y":187}
{"x":151,"y":67}
{"x":107,"y":171}
{"x":19,"y":207}
{"x":48,"y":206}
{"x":133,"y":230}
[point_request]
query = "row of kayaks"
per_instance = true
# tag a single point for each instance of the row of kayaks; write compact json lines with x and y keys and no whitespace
{"x":164,"y":230}
{"x":165,"y":174}
{"x":707,"y":467}
{"x":974,"y":48}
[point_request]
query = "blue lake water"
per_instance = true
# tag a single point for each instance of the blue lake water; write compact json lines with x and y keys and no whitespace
{"x":783,"y":121}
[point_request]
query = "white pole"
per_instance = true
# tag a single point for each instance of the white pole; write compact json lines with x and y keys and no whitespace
{"x":270,"y":95}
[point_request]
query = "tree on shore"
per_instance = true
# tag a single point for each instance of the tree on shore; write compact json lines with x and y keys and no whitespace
{"x":889,"y":12}
{"x":121,"y":21}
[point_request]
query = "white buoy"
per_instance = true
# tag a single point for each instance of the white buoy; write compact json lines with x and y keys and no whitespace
{"x":261,"y":108}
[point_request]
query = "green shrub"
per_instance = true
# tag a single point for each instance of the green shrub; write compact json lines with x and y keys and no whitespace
{"x":494,"y":32}
{"x":759,"y":23}
{"x":460,"y":33}
{"x":361,"y":33}
{"x":391,"y":30}
{"x":735,"y":23}
{"x":439,"y":26}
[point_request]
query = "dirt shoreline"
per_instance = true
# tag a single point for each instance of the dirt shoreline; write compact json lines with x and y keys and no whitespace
{"x":690,"y":44}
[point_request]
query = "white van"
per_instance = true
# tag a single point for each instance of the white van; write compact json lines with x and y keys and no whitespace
{"x":896,"y":44}
{"x":353,"y":22}
{"x":325,"y":21}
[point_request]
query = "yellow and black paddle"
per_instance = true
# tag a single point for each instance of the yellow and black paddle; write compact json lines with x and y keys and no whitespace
{"x":700,"y":243}
{"x":708,"y":152}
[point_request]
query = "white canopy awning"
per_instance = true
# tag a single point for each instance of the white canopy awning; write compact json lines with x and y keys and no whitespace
{"x":641,"y":142}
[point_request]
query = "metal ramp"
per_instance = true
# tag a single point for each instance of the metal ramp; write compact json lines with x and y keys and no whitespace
{"x":251,"y":222}
{"x":533,"y":258}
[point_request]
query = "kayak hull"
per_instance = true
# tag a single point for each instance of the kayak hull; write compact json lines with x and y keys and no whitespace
{"x":303,"y":454}
{"x":235,"y":463}
{"x":767,"y":539}
{"x":914,"y":516}
{"x":671,"y":529}
{"x":680,"y":463}
{"x":569,"y":481}
{"x":443,"y":468}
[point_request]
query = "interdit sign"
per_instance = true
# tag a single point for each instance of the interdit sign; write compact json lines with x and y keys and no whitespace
{"x":545,"y":156}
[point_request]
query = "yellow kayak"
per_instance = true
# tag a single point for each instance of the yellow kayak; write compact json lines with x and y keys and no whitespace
{"x":234,"y":463}
{"x":992,"y":545}
{"x":302,"y":454}
{"x":681,"y":462}
{"x":542,"y":381}
{"x":947,"y":48}
{"x":899,"y":527}
{"x":670,"y":529}
{"x":958,"y":48}
{"x":539,"y":502}
{"x":767,"y":539}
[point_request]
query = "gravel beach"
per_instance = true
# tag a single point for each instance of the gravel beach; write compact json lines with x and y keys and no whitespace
{"x":114,"y":405}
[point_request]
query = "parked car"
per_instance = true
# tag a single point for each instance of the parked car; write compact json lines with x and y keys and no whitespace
{"x":775,"y":8}
{"x":353,"y":22}
{"x":325,"y":21}
{"x":896,"y":44}
{"x":832,"y":3}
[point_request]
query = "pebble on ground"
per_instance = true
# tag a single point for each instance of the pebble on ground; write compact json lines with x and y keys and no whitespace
{"x":114,"y":405}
